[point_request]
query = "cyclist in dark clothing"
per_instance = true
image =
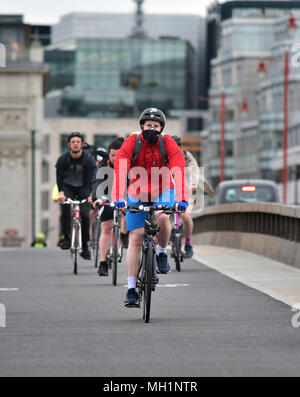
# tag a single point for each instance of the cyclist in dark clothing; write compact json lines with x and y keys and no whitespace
{"x":74,"y":172}
{"x":102,"y":186}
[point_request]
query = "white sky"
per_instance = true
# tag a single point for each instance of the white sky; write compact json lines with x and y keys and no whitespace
{"x":45,"y":12}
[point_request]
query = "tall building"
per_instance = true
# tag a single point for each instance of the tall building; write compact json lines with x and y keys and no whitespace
{"x":21,"y":126}
{"x":80,"y":26}
{"x":120,"y":77}
{"x":246,"y":33}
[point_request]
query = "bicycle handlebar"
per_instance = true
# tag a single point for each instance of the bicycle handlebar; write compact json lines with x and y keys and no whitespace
{"x":75,"y":202}
{"x":147,"y":208}
{"x":99,"y":205}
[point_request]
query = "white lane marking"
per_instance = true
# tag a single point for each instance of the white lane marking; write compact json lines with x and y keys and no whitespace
{"x":8,"y":289}
{"x":273,"y":294}
{"x":172,"y":285}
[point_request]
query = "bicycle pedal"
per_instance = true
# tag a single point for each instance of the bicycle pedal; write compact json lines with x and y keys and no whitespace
{"x":136,"y":306}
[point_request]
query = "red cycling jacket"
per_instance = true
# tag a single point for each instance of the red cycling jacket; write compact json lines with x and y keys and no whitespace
{"x":148,"y":176}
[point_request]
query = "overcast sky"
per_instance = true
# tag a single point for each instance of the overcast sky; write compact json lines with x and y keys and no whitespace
{"x":46,"y":12}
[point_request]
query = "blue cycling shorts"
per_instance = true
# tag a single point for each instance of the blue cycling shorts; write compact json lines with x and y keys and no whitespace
{"x":137,"y":221}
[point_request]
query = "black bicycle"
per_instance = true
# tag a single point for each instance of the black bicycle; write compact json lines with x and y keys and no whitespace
{"x":147,"y":279}
{"x":115,"y":253}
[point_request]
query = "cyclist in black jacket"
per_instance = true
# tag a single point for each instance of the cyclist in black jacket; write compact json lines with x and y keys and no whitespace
{"x":74,"y":171}
{"x":107,"y":212}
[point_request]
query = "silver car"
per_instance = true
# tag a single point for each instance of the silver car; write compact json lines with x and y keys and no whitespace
{"x":247,"y":191}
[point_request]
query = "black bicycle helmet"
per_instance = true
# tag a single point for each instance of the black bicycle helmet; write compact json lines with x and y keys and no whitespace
{"x":75,"y":134}
{"x":153,"y":114}
{"x":177,"y":139}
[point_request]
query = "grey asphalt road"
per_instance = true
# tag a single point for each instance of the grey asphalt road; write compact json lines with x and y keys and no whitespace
{"x":58,"y":324}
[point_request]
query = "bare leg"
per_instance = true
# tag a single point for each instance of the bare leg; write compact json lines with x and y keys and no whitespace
{"x":105,"y":239}
{"x":92,"y":216}
{"x":188,"y":225}
{"x":163,"y":221}
{"x":123,"y":224}
{"x":134,"y":251}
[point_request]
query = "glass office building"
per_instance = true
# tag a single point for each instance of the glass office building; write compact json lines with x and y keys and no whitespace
{"x":62,"y":68}
{"x":191,"y":28}
{"x":120,"y":77}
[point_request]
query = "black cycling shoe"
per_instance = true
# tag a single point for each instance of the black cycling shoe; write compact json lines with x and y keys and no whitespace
{"x":132,"y":299}
{"x":103,"y":269}
{"x":86,"y":254}
{"x":64,"y":244}
{"x":163,"y":266}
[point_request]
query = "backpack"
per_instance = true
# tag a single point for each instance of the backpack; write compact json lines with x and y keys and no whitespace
{"x":138,"y":147}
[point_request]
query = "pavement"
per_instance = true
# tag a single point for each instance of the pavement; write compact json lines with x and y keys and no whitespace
{"x":280,"y":281}
{"x":203,"y":323}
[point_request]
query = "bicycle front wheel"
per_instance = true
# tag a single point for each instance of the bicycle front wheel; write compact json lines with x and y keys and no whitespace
{"x":76,"y":231}
{"x":148,"y":284}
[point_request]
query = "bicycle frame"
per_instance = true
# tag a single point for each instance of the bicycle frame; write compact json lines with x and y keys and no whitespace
{"x":76,"y":239}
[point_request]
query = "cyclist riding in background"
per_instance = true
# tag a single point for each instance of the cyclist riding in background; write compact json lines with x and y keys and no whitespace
{"x":107,"y":212}
{"x":147,"y":187}
{"x":99,"y":154}
{"x":74,"y":172}
{"x":194,"y":180}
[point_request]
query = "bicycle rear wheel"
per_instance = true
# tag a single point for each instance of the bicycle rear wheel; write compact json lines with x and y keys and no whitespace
{"x":177,"y":253}
{"x":148,"y":284}
{"x":115,"y":256}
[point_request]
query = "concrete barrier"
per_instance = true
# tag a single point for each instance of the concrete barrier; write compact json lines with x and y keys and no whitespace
{"x":270,"y":230}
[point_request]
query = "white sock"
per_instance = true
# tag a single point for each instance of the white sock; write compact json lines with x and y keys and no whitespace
{"x":160,"y":250}
{"x":131,"y":282}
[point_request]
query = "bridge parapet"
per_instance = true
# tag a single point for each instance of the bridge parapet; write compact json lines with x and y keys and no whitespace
{"x":267,"y":229}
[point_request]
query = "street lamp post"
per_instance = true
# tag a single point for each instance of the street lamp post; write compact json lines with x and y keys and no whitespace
{"x":286,"y":125}
{"x":222,"y":136}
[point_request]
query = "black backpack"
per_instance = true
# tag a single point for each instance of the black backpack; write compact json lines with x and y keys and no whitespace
{"x":138,"y":147}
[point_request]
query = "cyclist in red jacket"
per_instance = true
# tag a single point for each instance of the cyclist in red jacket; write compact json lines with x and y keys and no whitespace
{"x":153,"y":179}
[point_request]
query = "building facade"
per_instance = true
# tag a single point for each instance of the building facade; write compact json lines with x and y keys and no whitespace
{"x":21,"y":128}
{"x":249,"y":33}
{"x":77,"y":26}
{"x":120,"y":77}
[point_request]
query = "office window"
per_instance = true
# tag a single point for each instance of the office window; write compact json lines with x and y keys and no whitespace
{"x":45,"y":172}
{"x":45,"y":201}
{"x":45,"y":226}
{"x":103,"y":140}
